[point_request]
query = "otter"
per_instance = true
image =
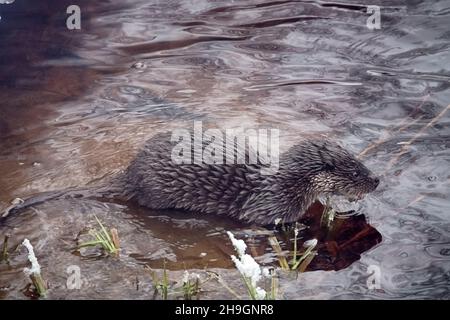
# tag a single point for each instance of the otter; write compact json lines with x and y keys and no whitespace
{"x":306,"y":171}
{"x":309,"y":169}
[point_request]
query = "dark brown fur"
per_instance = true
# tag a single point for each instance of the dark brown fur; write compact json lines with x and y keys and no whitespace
{"x":307,"y":170}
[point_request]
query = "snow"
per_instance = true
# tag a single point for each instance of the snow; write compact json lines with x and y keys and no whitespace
{"x":35,"y":267}
{"x":239,"y":245}
{"x":247,"y":266}
{"x":310,"y":243}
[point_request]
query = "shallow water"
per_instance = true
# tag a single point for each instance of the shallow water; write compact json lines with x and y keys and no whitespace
{"x":77,"y":105}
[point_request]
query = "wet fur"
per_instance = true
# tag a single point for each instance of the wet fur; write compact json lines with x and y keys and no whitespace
{"x":307,"y":170}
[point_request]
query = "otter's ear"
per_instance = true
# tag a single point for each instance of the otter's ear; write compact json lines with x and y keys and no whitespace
{"x":327,"y":161}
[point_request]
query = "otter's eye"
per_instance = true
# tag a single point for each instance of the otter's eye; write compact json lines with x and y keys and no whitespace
{"x":328,"y":167}
{"x":355,"y":173}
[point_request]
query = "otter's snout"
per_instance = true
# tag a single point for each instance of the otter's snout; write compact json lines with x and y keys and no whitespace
{"x":375,"y":181}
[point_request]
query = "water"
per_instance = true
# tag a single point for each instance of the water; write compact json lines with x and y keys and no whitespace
{"x":77,"y":105}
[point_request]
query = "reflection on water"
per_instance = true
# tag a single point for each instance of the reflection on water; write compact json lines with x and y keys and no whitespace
{"x":76,"y":106}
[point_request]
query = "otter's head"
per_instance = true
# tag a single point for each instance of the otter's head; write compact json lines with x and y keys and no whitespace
{"x":340,"y":173}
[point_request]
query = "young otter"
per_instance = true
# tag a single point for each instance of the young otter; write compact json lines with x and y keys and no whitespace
{"x":307,"y":170}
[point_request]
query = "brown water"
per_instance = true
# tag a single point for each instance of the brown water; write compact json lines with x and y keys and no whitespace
{"x":75,"y":106}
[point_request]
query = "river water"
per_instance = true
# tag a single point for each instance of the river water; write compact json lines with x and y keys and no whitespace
{"x":76,"y":105}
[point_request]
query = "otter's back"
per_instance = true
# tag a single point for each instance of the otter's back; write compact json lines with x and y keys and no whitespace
{"x":155,"y":180}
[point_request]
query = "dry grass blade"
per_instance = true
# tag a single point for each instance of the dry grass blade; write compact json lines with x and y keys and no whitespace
{"x":279,"y":252}
{"x":302,"y":267}
{"x":4,"y":254}
{"x":406,"y":146}
{"x":223,"y":283}
{"x":402,"y":126}
{"x":308,"y":252}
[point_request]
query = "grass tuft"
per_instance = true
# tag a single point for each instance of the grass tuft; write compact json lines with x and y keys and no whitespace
{"x":190,"y":285}
{"x":300,"y":258}
{"x":109,"y":241}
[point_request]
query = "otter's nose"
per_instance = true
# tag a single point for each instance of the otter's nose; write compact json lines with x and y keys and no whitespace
{"x":376,"y":181}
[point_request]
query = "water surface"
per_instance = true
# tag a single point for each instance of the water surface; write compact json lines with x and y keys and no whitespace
{"x":75,"y":106}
